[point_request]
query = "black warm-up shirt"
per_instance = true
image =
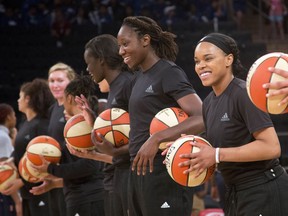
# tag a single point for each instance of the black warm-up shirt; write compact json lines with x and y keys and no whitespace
{"x":155,"y":89}
{"x":231,"y":119}
{"x":83,"y":178}
{"x":118,"y":97}
{"x":27,"y":131}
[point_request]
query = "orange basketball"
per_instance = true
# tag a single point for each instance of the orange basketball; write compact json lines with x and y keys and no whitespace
{"x":7,"y":174}
{"x":114,"y":125}
{"x":180,"y":146}
{"x":46,"y":146}
{"x":77,"y":133}
{"x":166,"y":118}
{"x":24,"y":172}
{"x":258,"y":75}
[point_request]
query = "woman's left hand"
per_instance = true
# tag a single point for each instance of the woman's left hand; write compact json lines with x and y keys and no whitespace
{"x":145,"y":156}
{"x":199,"y":161}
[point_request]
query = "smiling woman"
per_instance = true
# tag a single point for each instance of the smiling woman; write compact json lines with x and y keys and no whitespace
{"x":245,"y":144}
{"x":160,"y":84}
{"x":59,"y":76}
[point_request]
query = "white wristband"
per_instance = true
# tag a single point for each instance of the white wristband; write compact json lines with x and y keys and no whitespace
{"x":217,"y":155}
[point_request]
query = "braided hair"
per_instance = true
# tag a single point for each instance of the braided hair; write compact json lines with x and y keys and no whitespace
{"x":83,"y":84}
{"x":162,"y":41}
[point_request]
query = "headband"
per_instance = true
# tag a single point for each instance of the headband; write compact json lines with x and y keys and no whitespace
{"x":218,"y":41}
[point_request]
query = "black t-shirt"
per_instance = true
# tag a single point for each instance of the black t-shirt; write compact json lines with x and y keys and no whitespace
{"x":119,"y":94}
{"x":230,"y":120}
{"x":83,"y":178}
{"x":27,"y":131}
{"x":155,"y":89}
{"x":57,"y":123}
{"x":120,"y":91}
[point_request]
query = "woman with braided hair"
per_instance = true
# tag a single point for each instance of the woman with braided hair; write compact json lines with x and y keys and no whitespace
{"x":245,"y":144}
{"x":82,"y":178}
{"x":160,"y":84}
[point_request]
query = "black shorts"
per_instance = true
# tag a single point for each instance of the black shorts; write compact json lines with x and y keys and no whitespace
{"x":157,"y":194}
{"x":95,"y":208}
{"x":35,"y":206}
{"x":109,"y":202}
{"x":57,"y":202}
{"x":265,"y":195}
{"x":120,"y":185}
{"x":7,"y":207}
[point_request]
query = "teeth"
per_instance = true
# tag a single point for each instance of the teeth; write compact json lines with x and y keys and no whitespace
{"x":126,"y":59}
{"x":204,"y":74}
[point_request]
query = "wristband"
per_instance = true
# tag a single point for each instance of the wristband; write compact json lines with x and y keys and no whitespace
{"x":217,"y":155}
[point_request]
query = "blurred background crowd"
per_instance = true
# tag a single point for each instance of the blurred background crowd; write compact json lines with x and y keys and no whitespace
{"x":35,"y":34}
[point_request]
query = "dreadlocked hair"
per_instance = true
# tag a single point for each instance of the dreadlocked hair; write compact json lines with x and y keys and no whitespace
{"x":83,"y":84}
{"x":162,"y":41}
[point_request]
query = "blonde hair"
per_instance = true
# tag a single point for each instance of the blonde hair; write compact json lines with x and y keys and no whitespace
{"x":71,"y":74}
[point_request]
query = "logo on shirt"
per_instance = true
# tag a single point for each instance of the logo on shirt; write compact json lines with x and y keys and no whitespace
{"x":225,"y":118}
{"x":62,"y":119}
{"x":165,"y":205}
{"x":27,"y":137}
{"x":149,"y":89}
{"x":41,"y":203}
{"x":114,"y":101}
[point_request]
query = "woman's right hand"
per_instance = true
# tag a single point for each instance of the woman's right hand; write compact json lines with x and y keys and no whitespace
{"x":84,"y":106}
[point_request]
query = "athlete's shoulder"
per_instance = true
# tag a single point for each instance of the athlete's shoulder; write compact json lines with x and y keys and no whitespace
{"x":239,"y":83}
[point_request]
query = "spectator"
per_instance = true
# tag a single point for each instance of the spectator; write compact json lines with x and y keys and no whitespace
{"x":239,"y":9}
{"x":60,"y":27}
{"x":277,"y":9}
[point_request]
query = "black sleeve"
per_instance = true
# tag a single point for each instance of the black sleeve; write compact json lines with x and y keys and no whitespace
{"x":75,"y":169}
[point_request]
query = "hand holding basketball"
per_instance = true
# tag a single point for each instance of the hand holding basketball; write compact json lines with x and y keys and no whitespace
{"x":281,"y":87}
{"x":190,"y":160}
{"x":259,"y":75}
{"x":43,"y":167}
{"x":201,"y":159}
{"x":46,"y":186}
{"x":103,"y":146}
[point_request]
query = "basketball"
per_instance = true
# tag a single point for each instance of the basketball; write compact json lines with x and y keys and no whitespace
{"x":24,"y":172}
{"x":46,"y":146}
{"x":258,"y":75}
{"x":35,"y":173}
{"x":166,"y":118}
{"x":180,"y":146}
{"x":7,"y":174}
{"x":77,"y":133}
{"x":114,"y":125}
